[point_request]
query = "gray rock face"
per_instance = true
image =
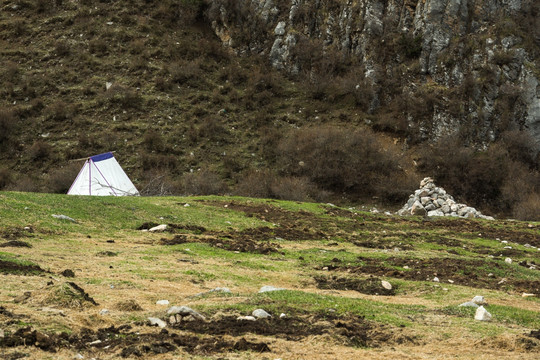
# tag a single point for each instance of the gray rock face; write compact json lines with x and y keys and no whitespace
{"x":354,"y":27}
{"x":437,"y":203}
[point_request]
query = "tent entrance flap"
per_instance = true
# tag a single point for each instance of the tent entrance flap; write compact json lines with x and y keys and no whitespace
{"x":102,"y":175}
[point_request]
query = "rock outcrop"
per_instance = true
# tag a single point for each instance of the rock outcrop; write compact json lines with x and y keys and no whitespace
{"x":472,"y":64}
{"x":431,"y":200}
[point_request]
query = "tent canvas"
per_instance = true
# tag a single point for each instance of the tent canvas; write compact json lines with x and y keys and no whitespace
{"x":102,"y":175}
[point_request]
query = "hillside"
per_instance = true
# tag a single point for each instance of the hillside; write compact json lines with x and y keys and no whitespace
{"x":88,"y":285}
{"x":195,"y":97}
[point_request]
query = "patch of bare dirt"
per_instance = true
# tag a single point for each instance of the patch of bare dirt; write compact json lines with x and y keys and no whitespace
{"x":15,"y":243}
{"x":370,"y":286}
{"x":472,"y":273}
{"x":15,"y":233}
{"x":8,"y":267}
{"x":229,"y":243}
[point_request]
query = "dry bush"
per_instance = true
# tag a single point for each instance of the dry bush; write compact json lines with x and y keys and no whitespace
{"x":24,"y":183}
{"x":6,"y":176}
{"x":292,"y":188}
{"x":8,"y":124}
{"x":153,"y":141}
{"x":98,"y":47}
{"x":211,"y":128}
{"x":60,"y":180}
{"x":203,"y":182}
{"x":521,"y":147}
{"x":158,"y":161}
{"x":349,"y":160}
{"x":159,"y":183}
{"x":529,"y":208}
{"x":40,"y":151}
{"x":256,"y":183}
{"x":124,"y":97}
{"x":61,"y":48}
{"x":186,"y":72}
{"x":59,"y":111}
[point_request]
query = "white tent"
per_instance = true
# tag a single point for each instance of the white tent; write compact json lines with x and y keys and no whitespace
{"x":102,"y":175}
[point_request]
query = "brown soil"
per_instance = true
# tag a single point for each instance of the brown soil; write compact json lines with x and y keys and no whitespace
{"x":15,"y":243}
{"x":228,"y":242}
{"x":472,"y":273}
{"x":370,"y":286}
{"x":15,"y":233}
{"x":200,"y":337}
{"x":8,"y":267}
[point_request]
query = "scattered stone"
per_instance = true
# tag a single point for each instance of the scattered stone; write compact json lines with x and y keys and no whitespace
{"x":78,"y":357}
{"x":162,"y":302}
{"x":159,"y":228}
{"x":104,"y":312}
{"x":218,"y":289}
{"x":23,"y":297}
{"x":185,"y":311}
{"x":54,"y":311}
{"x":282,"y":316}
{"x":478,"y":299}
{"x":436,"y":279}
{"x":157,"y":322}
{"x":508,"y":261}
{"x":386,"y":285}
{"x":2,"y":334}
{"x":469,"y":304}
{"x":268,"y":288}
{"x":450,"y":281}
{"x":418,"y":209}
{"x":246,"y":318}
{"x":261,"y":314}
{"x":482,"y":314}
{"x":63,"y":217}
{"x":527,"y":295}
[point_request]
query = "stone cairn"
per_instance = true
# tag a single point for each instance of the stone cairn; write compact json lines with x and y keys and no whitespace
{"x":431,"y":200}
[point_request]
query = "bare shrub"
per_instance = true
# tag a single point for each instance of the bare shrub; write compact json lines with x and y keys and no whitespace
{"x":153,"y":141}
{"x":98,"y":47}
{"x":346,"y":160}
{"x":203,"y":182}
{"x":256,"y":183}
{"x":123,"y":96}
{"x":40,"y":150}
{"x":529,"y":208}
{"x":24,"y":183}
{"x":159,"y":183}
{"x":62,"y":48}
{"x":60,"y":180}
{"x":158,"y":161}
{"x":59,"y":111}
{"x":292,"y":188}
{"x":8,"y":124}
{"x":6,"y":176}
{"x":186,"y":72}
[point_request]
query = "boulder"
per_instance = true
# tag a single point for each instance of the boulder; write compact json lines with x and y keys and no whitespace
{"x":184,"y":311}
{"x":418,"y":209}
{"x":482,"y":314}
{"x":261,"y":314}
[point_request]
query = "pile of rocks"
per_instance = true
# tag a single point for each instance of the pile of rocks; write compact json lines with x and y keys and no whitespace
{"x":431,"y":200}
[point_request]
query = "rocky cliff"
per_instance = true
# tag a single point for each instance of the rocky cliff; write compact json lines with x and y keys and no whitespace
{"x":433,"y":67}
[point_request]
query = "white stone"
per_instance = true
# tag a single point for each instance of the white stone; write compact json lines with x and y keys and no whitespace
{"x":508,"y":260}
{"x":280,"y":28}
{"x":162,"y":302}
{"x":104,"y":312}
{"x":386,"y":285}
{"x":450,"y":281}
{"x":246,"y":318}
{"x":482,"y":314}
{"x":159,"y":228}
{"x":469,"y":304}
{"x":108,"y":85}
{"x":261,"y":314}
{"x":78,"y":357}
{"x":478,"y":299}
{"x":267,"y":288}
{"x":184,"y":311}
{"x":527,"y":295}
{"x":436,"y":279}
{"x":157,"y":322}
{"x":282,"y":315}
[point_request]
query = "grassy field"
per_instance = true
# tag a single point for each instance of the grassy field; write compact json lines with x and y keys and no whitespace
{"x":59,"y":275}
